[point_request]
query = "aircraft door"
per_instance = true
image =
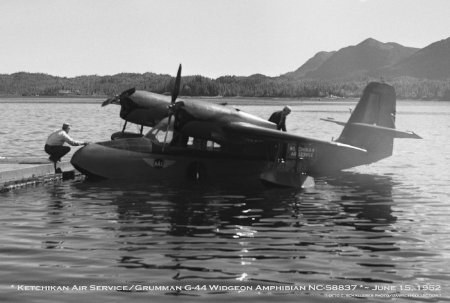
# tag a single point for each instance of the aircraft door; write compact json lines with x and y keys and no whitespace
{"x":299,"y":155}
{"x":289,"y":167}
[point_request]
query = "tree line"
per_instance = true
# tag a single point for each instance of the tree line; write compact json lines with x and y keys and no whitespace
{"x":36,"y":84}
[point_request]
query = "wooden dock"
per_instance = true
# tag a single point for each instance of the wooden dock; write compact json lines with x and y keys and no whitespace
{"x":16,"y":172}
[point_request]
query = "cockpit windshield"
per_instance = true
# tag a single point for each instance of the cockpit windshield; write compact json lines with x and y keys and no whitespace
{"x":161,"y":133}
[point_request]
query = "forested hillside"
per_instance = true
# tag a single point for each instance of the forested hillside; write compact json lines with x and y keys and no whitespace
{"x":28,"y":84}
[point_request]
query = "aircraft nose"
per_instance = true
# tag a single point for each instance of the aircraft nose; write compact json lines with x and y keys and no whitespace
{"x":88,"y":159}
{"x":111,"y":159}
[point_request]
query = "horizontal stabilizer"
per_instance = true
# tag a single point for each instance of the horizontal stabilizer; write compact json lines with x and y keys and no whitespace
{"x":378,"y":129}
{"x":333,"y":121}
{"x":386,"y":131}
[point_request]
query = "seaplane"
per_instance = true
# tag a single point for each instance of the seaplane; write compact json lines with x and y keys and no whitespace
{"x":198,"y":140}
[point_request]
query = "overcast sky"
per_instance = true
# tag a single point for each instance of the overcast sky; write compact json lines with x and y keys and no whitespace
{"x":209,"y":37}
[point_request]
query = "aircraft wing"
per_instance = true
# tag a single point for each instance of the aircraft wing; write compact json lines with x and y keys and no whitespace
{"x":253,"y":132}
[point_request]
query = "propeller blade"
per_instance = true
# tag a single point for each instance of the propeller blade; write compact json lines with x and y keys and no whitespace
{"x":116,"y":98}
{"x":112,"y":100}
{"x":175,"y":92}
{"x":176,"y":88}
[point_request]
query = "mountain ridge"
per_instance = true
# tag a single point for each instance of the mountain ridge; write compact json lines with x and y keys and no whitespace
{"x":430,"y":62}
{"x":312,"y":64}
{"x":372,"y":58}
{"x":357,"y":61}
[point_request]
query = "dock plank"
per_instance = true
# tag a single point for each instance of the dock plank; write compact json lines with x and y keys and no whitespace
{"x":24,"y":160}
{"x":23,"y":172}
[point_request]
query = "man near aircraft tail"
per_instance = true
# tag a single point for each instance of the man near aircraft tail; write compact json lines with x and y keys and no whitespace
{"x":55,"y":141}
{"x":279,"y":118}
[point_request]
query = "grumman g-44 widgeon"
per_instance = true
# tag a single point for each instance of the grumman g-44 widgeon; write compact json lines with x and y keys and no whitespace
{"x":199,"y":140}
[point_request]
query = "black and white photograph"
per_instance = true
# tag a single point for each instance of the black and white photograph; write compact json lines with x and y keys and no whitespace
{"x":224,"y":150}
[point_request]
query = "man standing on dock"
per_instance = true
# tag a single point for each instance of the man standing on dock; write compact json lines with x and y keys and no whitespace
{"x":54,"y":145}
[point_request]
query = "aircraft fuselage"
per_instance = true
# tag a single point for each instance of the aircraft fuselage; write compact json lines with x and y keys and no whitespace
{"x":143,"y":159}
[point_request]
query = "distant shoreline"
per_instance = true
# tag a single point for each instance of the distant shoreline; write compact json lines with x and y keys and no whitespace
{"x":228,"y":100}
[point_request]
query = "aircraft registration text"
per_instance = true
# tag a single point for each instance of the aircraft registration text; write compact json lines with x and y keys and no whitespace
{"x":302,"y":152}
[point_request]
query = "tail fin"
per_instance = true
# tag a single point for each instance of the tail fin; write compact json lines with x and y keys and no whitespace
{"x":372,"y":123}
{"x":371,"y":126}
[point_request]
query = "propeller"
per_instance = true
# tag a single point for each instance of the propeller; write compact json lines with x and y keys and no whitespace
{"x":176,"y":88}
{"x":117,"y":98}
{"x":175,"y":93}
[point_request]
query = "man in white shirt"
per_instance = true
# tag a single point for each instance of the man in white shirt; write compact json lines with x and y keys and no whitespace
{"x":54,"y":144}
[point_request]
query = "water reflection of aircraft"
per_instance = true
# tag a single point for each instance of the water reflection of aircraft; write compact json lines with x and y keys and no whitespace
{"x":188,"y":233}
{"x":200,"y":140}
{"x":370,"y":199}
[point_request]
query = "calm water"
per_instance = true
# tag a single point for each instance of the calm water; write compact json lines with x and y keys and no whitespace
{"x":384,"y":225}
